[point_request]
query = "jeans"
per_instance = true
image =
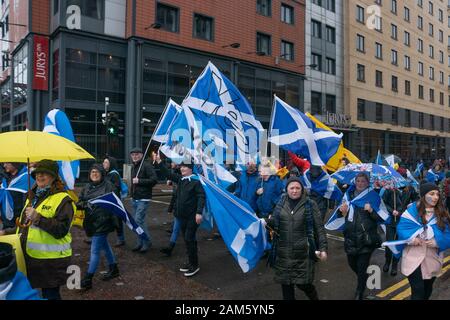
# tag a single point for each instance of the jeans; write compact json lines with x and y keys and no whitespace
{"x":99,"y":244}
{"x":359,"y":264}
{"x":51,"y":293}
{"x":140,"y":212}
{"x":289,"y":291}
{"x":188,"y":229}
{"x":420,"y":289}
{"x":175,"y":230}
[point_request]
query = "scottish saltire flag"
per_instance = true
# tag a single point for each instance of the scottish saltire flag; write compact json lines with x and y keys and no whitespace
{"x":242,"y":231}
{"x":379,"y":159}
{"x":294,"y":131}
{"x":56,"y":122}
{"x":223,"y":108}
{"x":323,"y":185}
{"x":171,"y":112}
{"x":18,"y":184}
{"x":113,"y":204}
{"x":187,"y":140}
{"x":337,"y":221}
{"x":411,"y":180}
{"x":433,"y":176}
{"x":419,"y":169}
{"x":410,"y":226}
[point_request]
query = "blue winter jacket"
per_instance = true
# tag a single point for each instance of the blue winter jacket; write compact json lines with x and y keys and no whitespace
{"x":273,"y":189}
{"x":246,"y":188}
{"x":21,"y":289}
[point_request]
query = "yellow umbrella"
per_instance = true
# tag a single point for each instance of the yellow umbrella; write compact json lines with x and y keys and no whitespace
{"x":33,"y":146}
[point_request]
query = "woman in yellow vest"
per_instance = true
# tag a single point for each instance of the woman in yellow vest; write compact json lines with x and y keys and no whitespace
{"x":47,"y":241}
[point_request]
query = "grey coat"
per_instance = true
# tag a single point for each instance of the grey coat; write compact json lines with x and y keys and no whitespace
{"x":293,"y":265}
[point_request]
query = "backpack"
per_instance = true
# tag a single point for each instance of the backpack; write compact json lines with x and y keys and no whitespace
{"x":123,"y":186}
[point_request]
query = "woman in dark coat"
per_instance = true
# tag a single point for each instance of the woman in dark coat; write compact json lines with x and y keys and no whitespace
{"x":97,"y":223}
{"x":294,"y":266}
{"x":360,"y":234}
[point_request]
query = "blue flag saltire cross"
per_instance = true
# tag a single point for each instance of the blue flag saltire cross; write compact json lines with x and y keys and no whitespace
{"x":224,"y":108}
{"x":323,"y":185}
{"x":56,"y":122}
{"x":242,"y":231}
{"x":18,"y":184}
{"x":337,"y":221}
{"x":113,"y":204}
{"x":410,"y":226}
{"x":419,"y":169}
{"x":171,"y":112}
{"x":379,"y":159}
{"x":433,"y":176}
{"x":293,"y":131}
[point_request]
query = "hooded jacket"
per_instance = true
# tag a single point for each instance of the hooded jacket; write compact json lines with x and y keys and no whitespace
{"x":97,"y":221}
{"x":113,"y":176}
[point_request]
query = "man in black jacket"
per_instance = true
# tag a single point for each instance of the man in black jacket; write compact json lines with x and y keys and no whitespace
{"x":188,"y":208}
{"x":143,"y":181}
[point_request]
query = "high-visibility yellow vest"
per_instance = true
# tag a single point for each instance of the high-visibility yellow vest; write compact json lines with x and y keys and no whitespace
{"x":42,"y":245}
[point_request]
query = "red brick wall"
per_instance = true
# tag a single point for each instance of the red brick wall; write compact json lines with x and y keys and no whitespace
{"x":40,"y":20}
{"x":234,"y":21}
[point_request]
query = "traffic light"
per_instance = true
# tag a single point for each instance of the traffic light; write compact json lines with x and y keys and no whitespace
{"x":113,"y":124}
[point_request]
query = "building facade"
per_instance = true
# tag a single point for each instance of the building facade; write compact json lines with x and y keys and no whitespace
{"x":397,"y":78}
{"x":138,"y":54}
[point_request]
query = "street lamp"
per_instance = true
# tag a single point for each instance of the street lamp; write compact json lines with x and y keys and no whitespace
{"x":106,"y":124}
{"x":312,"y":65}
{"x":258,"y":53}
{"x":155,"y":25}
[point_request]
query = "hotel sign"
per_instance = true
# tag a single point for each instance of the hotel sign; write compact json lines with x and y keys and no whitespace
{"x":40,"y":63}
{"x":338,"y":120}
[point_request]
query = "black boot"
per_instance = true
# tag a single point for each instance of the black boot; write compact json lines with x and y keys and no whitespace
{"x":311,"y":293}
{"x":394,"y":268}
{"x":359,"y":295}
{"x":386,"y":266}
{"x":86,"y":282}
{"x":112,"y":273}
{"x":168,"y":250}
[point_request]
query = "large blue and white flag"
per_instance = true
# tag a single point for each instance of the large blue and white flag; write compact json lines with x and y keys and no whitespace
{"x":18,"y":184}
{"x":242,"y":231}
{"x":293,"y":131}
{"x":56,"y":122}
{"x":411,"y":180}
{"x":323,"y":185}
{"x":171,"y":112}
{"x":337,"y":221}
{"x":223,"y":108}
{"x":410,"y":226}
{"x":113,"y":204}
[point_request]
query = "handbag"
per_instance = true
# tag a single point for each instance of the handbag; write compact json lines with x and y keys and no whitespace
{"x":368,"y":241}
{"x":312,"y":245}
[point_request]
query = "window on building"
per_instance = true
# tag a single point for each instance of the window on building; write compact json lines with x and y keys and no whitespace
{"x":287,"y":14}
{"x":331,"y":103}
{"x":441,"y":98}
{"x":421,"y":92}
{"x":407,"y":118}
{"x":287,"y":50}
{"x":420,"y":45}
{"x":361,"y":73}
{"x":378,"y":23}
{"x":360,"y":46}
{"x":394,"y":6}
{"x":331,"y":34}
{"x":420,"y":69}
{"x":420,"y":3}
{"x":361,"y":109}
{"x":441,"y":77}
{"x":431,"y":73}
{"x":379,"y":79}
{"x":420,"y":22}
{"x":360,"y":14}
{"x":168,"y":17}
{"x":430,"y":8}
{"x":203,"y":27}
{"x":317,"y":2}
{"x":317,"y":60}
{"x":331,"y":5}
{"x":263,"y":43}
{"x":394,"y":32}
{"x":441,"y":15}
{"x":394,"y":84}
{"x":407,"y":87}
{"x":407,"y":63}
{"x":264,"y":7}
{"x":406,"y":15}
{"x":407,"y":38}
{"x":441,"y":36}
{"x":430,"y":30}
{"x":421,"y":120}
{"x":316,"y":102}
{"x":378,"y":50}
{"x":316,"y":29}
{"x":55,"y":6}
{"x":331,"y":66}
{"x":441,"y":56}
{"x":431,"y":95}
{"x":378,"y":112}
{"x":431,"y":52}
{"x":432,"y":122}
{"x":394,"y":57}
{"x":394,"y":115}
